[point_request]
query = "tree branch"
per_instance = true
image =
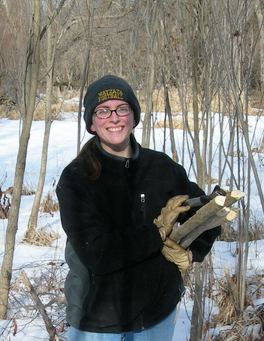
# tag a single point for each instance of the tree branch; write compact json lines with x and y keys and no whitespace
{"x":49,"y":326}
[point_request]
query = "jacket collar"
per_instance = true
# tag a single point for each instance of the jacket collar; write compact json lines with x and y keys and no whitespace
{"x":116,"y":163}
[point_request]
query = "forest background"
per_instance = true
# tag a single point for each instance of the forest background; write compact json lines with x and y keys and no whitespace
{"x":189,"y":59}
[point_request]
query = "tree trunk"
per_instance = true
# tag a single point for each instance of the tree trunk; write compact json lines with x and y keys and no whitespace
{"x":197,"y":315}
{"x":196,"y":140}
{"x":84,"y":75}
{"x":147,"y":119}
{"x":260,"y":17}
{"x":168,"y":112}
{"x":261,"y":147}
{"x":30,"y":89}
{"x":51,"y":50}
{"x":152,"y":29}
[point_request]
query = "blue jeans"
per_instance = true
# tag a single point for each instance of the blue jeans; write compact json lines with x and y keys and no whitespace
{"x":163,"y":331}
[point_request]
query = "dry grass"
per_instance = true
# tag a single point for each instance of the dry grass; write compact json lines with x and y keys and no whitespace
{"x":8,"y":109}
{"x":255,"y":230}
{"x":49,"y":205}
{"x":5,"y":199}
{"x":228,"y":232}
{"x":44,"y":236}
{"x":176,"y":106}
{"x":56,"y":110}
{"x":248,"y":326}
{"x":177,"y":109}
{"x":28,"y":190}
{"x":226,"y":302}
{"x":178,"y":122}
{"x":13,"y":115}
{"x":238,"y":324}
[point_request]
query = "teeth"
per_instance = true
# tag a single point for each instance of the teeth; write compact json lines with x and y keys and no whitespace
{"x":115,"y":129}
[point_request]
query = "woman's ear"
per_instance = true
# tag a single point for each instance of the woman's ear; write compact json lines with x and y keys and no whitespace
{"x":92,"y":128}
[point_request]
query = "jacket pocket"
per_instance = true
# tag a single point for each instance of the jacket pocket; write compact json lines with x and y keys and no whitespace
{"x":116,"y":299}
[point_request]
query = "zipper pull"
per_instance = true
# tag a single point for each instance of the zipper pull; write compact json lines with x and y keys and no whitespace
{"x":143,"y":208}
{"x":127,"y":164}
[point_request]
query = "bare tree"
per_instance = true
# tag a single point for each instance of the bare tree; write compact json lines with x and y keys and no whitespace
{"x":14,"y":25}
{"x":90,"y":9}
{"x":51,"y":53}
{"x":151,"y":28}
{"x":236,"y":54}
{"x":29,"y":96}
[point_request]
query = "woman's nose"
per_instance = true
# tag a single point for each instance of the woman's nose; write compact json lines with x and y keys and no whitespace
{"x":114,"y":116}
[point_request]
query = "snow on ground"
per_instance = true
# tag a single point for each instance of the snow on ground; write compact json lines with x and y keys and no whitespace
{"x":35,"y":260}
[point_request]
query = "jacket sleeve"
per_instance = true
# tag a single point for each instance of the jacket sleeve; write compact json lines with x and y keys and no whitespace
{"x":99,"y":249}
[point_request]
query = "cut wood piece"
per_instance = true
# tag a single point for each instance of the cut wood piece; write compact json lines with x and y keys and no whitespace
{"x":221,"y":217}
{"x":223,"y":212}
{"x":204,"y":213}
{"x":233,"y":196}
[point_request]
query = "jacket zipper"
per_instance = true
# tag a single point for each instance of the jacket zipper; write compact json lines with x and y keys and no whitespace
{"x":143,"y":206}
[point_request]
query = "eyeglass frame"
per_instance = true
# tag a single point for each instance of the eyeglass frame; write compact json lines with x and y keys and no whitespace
{"x":111,"y":111}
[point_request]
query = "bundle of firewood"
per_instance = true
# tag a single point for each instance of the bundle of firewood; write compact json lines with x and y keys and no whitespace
{"x":214,"y":213}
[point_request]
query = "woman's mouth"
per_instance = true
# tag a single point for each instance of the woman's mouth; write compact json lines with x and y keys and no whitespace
{"x":115,"y":129}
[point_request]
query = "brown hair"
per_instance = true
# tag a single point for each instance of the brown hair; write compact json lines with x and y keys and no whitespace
{"x":87,"y":161}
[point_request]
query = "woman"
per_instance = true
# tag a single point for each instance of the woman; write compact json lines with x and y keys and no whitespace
{"x":118,"y":203}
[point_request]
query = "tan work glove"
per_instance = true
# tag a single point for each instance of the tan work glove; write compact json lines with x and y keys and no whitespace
{"x":169,"y":214}
{"x":174,"y":253}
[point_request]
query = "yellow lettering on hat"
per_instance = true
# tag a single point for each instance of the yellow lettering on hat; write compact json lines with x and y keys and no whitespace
{"x":110,"y":94}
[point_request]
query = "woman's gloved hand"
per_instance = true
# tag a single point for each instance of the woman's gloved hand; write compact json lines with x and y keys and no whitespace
{"x":174,"y":253}
{"x":169,"y":214}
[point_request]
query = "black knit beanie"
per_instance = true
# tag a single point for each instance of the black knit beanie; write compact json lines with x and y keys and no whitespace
{"x":105,"y":88}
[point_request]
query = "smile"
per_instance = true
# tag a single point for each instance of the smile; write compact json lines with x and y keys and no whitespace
{"x":115,"y":129}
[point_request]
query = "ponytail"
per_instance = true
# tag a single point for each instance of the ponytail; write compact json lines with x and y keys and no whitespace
{"x":87,"y":161}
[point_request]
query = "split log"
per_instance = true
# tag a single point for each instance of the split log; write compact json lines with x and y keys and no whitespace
{"x":233,"y":196}
{"x":204,"y":213}
{"x":49,"y":326}
{"x":221,"y":217}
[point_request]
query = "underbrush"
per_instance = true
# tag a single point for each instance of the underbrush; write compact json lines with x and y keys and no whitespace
{"x":224,"y":319}
{"x":5,"y":203}
{"x":9,"y":109}
{"x":47,"y":278}
{"x":49,"y":204}
{"x":230,"y":232}
{"x":233,"y":324}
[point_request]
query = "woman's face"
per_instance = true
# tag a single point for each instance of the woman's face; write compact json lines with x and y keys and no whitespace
{"x":114,"y":132}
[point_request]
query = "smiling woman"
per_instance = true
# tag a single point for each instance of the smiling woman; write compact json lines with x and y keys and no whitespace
{"x":118,"y":202}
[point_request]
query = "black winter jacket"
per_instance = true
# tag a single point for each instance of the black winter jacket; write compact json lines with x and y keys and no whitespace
{"x":118,"y":280}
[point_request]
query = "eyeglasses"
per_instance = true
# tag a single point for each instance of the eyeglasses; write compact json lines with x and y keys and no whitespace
{"x":106,"y":113}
